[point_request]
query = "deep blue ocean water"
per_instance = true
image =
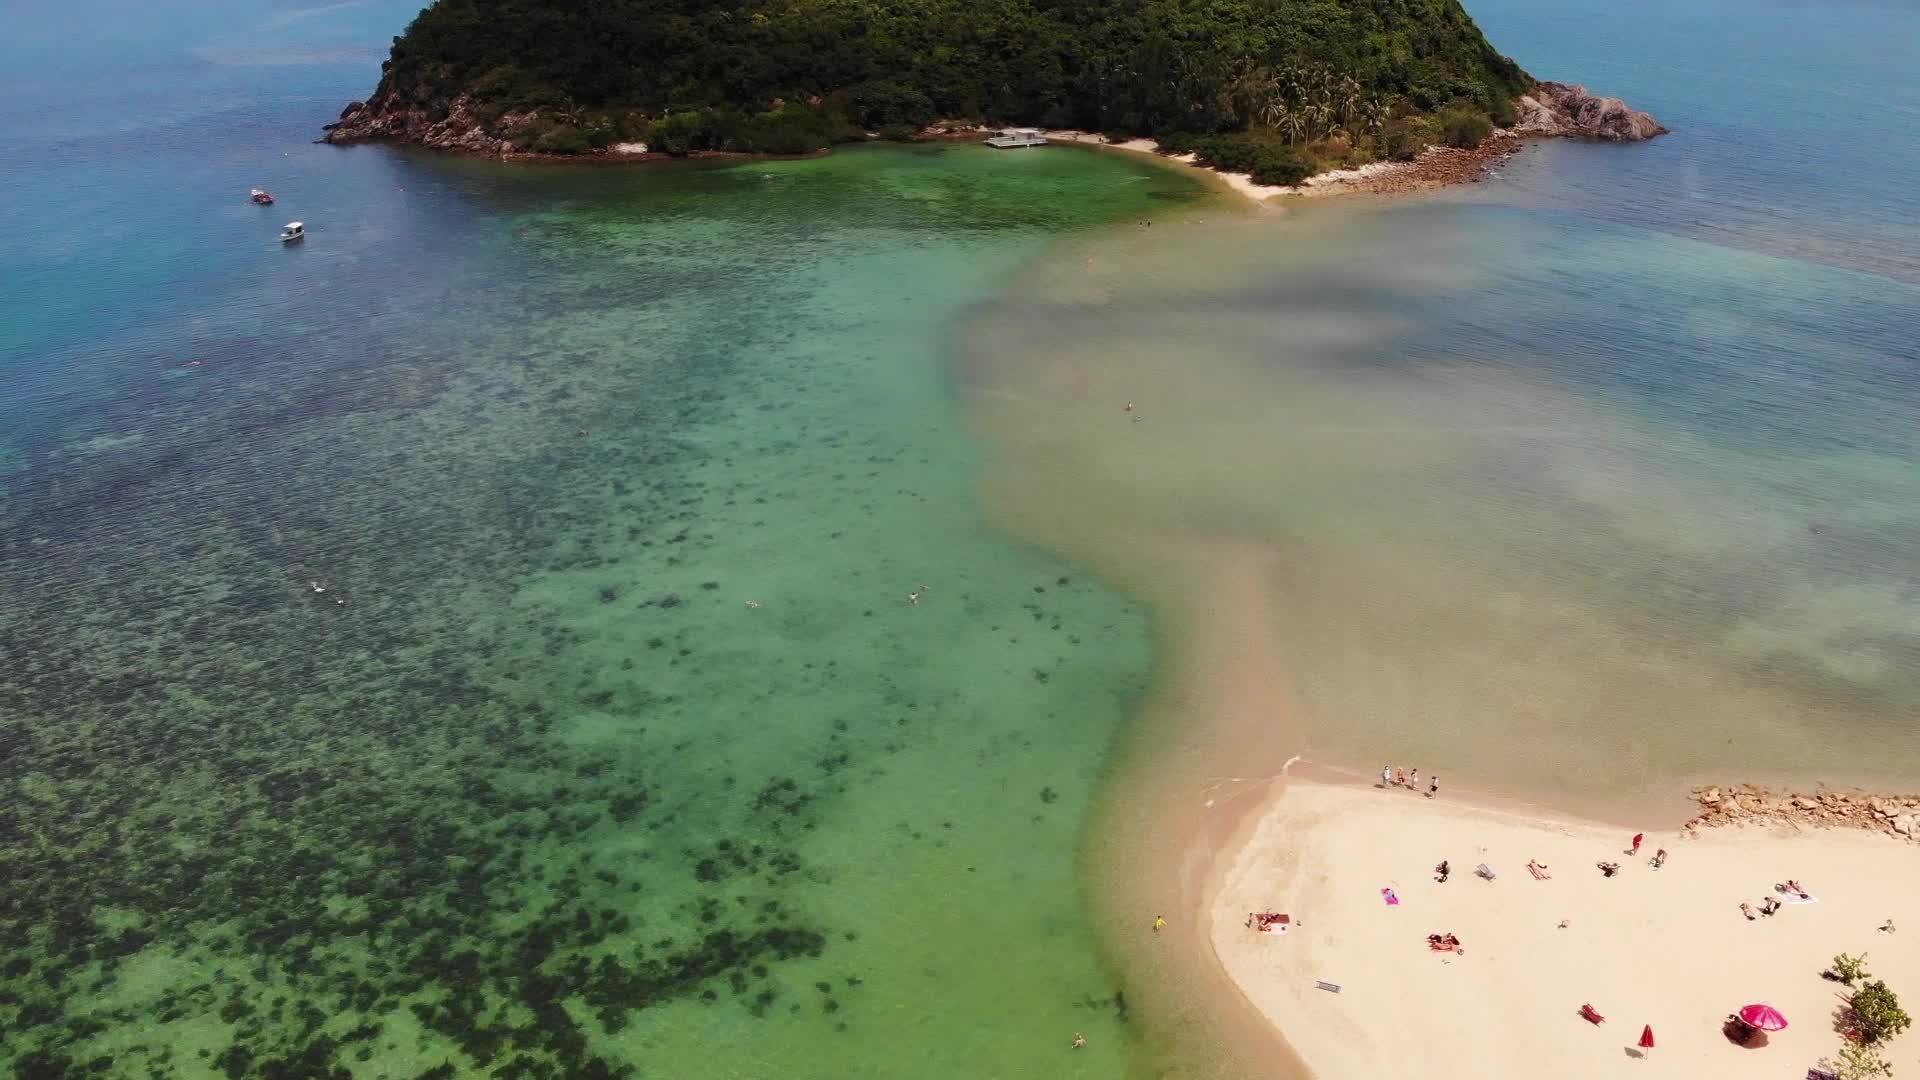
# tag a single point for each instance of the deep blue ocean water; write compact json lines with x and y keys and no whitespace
{"x":549,"y":430}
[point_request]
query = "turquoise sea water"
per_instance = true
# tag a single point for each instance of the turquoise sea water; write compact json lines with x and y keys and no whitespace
{"x":478,"y":640}
{"x":627,"y":749}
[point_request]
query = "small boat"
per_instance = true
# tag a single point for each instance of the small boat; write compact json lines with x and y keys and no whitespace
{"x":1013,"y":138}
{"x":260,"y":198}
{"x":294,"y":230}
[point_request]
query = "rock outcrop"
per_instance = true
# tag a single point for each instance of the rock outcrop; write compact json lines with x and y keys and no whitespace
{"x":1569,"y":110}
{"x":458,"y":128}
{"x":1745,"y":804}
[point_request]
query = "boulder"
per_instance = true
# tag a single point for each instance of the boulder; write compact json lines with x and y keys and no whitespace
{"x":1568,"y":109}
{"x":1904,"y":824}
{"x":1801,"y":802}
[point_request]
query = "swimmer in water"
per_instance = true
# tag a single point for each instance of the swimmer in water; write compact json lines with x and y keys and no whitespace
{"x":913,"y":598}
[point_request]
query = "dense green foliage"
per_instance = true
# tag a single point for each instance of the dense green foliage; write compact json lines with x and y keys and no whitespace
{"x":1463,"y":127}
{"x":1850,"y":969}
{"x":1268,"y":160}
{"x":1145,"y":66}
{"x":1877,"y":1012}
{"x":1860,"y":1061}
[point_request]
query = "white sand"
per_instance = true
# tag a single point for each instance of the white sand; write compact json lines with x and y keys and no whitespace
{"x":1240,"y":182}
{"x":627,"y":148}
{"x":1668,"y":948}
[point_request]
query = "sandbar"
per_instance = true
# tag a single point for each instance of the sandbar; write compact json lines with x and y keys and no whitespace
{"x":1664,"y":947}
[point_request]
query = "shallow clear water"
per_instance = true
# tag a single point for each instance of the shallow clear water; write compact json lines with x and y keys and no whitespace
{"x":478,"y":639}
{"x":1550,"y":504}
{"x":1579,"y":483}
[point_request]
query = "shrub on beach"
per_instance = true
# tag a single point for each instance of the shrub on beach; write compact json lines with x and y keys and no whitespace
{"x":1463,"y":127}
{"x":1850,"y":969}
{"x":1876,"y":1011}
{"x":562,"y":139}
{"x":1405,"y":138}
{"x":1282,"y":165}
{"x":1860,"y":1061}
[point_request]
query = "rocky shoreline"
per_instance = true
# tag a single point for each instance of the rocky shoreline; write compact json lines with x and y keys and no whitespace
{"x":1748,"y":804}
{"x":1553,"y":110}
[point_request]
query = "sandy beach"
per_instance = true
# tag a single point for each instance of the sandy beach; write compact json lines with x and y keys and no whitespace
{"x":1436,"y":167}
{"x":1667,"y":947}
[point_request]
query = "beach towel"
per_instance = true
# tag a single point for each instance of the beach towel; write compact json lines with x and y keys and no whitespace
{"x":1331,"y":988}
{"x":1793,"y":898}
{"x":1389,"y":897}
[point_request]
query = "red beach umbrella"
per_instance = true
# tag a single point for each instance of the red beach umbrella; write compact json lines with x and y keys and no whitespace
{"x":1646,"y":1037}
{"x":1764,"y":1017}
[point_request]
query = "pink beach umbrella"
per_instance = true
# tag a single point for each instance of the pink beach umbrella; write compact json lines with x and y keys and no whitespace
{"x":1763,"y":1017}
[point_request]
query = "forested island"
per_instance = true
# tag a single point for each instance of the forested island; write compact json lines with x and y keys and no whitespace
{"x":1279,"y":89}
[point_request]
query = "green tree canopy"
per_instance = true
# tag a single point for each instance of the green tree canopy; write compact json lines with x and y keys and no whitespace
{"x":1149,"y":66}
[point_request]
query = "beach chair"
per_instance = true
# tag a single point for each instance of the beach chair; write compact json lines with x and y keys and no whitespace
{"x":1820,"y":1074}
{"x":1484,"y":871}
{"x":1591,"y":1015}
{"x":1539,"y":872}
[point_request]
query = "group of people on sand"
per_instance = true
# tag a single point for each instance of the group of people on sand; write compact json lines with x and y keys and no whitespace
{"x":1608,"y":869}
{"x":1793,"y":889}
{"x":1409,"y":779}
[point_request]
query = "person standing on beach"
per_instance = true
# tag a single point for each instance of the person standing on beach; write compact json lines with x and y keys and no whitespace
{"x":1159,"y":923}
{"x":1413,"y":780}
{"x":1433,"y":786}
{"x":1637,"y":837}
{"x":1386,"y":776}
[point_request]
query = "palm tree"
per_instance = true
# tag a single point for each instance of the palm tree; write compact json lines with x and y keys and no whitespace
{"x":1275,"y":111}
{"x":1319,"y":120}
{"x":1293,"y":122}
{"x":1349,"y":100}
{"x":1376,"y":114}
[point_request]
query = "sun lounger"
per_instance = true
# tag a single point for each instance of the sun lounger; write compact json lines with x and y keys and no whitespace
{"x":1331,"y":988}
{"x":1592,"y":1015}
{"x":1820,"y":1074}
{"x":1539,"y":872}
{"x":1484,"y":871}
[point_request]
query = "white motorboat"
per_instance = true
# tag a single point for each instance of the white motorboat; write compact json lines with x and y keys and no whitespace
{"x":294,"y":230}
